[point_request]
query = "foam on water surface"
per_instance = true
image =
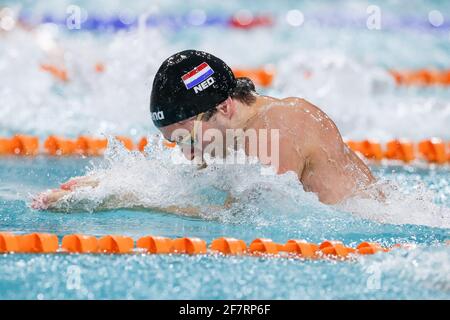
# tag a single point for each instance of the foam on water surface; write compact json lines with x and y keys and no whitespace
{"x":342,"y":70}
{"x":267,"y":206}
{"x":131,"y":179}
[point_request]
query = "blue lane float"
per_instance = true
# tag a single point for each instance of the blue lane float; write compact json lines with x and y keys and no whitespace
{"x":115,"y":23}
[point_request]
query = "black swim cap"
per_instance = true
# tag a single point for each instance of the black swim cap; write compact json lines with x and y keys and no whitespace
{"x":188,"y":83}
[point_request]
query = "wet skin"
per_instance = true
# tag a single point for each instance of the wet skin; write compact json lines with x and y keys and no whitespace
{"x":309,"y":144}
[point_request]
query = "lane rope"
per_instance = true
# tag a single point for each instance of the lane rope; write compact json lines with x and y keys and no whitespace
{"x":240,"y":20}
{"x":118,"y":244}
{"x":265,"y":75}
{"x":432,"y":150}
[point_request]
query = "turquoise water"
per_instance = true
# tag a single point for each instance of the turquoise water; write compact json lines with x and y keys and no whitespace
{"x":350,"y":81}
{"x":416,"y":273}
{"x":349,"y":64}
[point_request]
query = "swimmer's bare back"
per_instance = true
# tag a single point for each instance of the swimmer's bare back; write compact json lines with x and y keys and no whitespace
{"x":311,"y":145}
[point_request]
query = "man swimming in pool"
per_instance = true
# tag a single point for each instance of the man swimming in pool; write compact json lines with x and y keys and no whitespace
{"x":195,"y":89}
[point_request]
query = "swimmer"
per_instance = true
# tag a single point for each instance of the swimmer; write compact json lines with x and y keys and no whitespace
{"x":195,"y":89}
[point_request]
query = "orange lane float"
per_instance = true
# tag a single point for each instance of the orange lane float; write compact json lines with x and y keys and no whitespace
{"x":82,"y":146}
{"x":91,"y":146}
{"x":433,"y":150}
{"x":422,"y":77}
{"x":400,"y":150}
{"x":127,"y":142}
{"x":38,"y":243}
{"x":9,"y":242}
{"x":335,"y":248}
{"x":61,"y":73}
{"x":142,"y":144}
{"x":59,"y":146}
{"x":260,"y":76}
{"x":80,"y":243}
{"x":266,"y":246}
{"x":369,"y":248}
{"x":301,"y":248}
{"x":117,"y":244}
{"x":57,"y":72}
{"x":25,"y":145}
{"x":189,"y":245}
{"x":368,"y":148}
{"x":228,"y":246}
{"x":19,"y":145}
{"x":156,"y":244}
{"x":6,"y":146}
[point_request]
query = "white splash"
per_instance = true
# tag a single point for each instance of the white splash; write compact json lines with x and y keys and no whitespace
{"x":398,"y":207}
{"x":363,"y":99}
{"x":90,"y":102}
{"x":134,"y":180}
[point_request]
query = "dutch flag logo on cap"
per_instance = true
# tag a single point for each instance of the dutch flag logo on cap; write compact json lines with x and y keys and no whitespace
{"x":197,"y":75}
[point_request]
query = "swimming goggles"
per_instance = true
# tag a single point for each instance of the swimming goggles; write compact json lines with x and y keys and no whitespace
{"x":191,"y":137}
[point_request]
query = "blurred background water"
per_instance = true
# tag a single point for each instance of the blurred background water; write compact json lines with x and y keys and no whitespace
{"x":347,"y":63}
{"x":322,"y":51}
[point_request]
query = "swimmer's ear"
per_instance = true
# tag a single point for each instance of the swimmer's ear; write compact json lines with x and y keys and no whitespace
{"x":227,"y":108}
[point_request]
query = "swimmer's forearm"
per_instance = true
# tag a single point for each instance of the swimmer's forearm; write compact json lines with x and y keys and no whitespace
{"x":76,"y":206}
{"x":188,"y":211}
{"x":192,"y":211}
{"x":52,"y":201}
{"x":78,"y":182}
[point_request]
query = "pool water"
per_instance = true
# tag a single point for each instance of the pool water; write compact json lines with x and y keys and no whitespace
{"x":421,"y":272}
{"x":349,"y":67}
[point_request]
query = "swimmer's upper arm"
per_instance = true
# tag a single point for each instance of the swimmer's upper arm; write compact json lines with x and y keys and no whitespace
{"x":289,"y":153}
{"x":328,"y":141}
{"x":334,"y":171}
{"x":326,"y":132}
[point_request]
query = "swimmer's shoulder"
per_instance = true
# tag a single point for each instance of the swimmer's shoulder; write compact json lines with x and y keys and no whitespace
{"x":309,"y":112}
{"x":288,"y":104}
{"x":298,"y":116}
{"x":292,"y":109}
{"x":315,"y":120}
{"x":300,"y":103}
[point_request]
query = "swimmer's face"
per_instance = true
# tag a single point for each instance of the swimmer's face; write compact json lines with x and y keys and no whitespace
{"x":193,"y":135}
{"x":187,"y":134}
